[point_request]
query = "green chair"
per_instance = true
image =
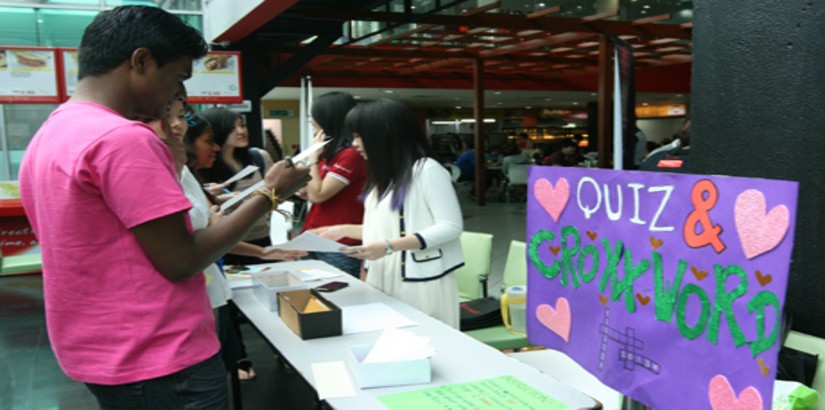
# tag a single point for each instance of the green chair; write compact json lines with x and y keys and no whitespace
{"x":515,"y":273}
{"x":472,"y":277}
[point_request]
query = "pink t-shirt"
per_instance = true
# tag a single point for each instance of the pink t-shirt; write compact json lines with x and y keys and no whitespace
{"x":88,"y":176}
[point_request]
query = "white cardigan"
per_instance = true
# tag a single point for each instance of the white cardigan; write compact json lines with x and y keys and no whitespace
{"x":431,"y":213}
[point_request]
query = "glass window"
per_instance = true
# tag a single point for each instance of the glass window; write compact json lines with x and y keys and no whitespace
{"x":18,"y":26}
{"x":63,"y":28}
{"x":187,"y":5}
{"x":21,"y":121}
{"x":87,"y":3}
{"x":193,"y":20}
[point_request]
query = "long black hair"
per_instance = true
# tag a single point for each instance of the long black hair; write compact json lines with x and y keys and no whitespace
{"x":223,"y":123}
{"x":197,"y":126}
{"x":392,"y":136}
{"x":329,"y":111}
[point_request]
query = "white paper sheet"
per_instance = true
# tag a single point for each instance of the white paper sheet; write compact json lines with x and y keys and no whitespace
{"x":310,"y":242}
{"x":305,"y":153}
{"x":312,"y":274}
{"x":371,"y":317}
{"x":399,"y":345}
{"x":332,"y":380}
{"x":241,"y":196}
{"x":247,"y":192}
{"x":242,"y":174}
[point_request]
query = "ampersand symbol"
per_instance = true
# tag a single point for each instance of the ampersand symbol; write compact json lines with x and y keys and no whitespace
{"x":701,"y":206}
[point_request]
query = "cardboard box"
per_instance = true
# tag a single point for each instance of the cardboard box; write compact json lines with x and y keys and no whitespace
{"x":309,"y":314}
{"x":395,"y":373}
{"x":267,"y":285}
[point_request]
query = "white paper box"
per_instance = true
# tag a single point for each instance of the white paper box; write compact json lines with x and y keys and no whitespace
{"x":267,"y":285}
{"x":395,"y":373}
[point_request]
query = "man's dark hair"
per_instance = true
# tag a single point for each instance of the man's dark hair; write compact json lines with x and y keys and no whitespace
{"x":115,"y":34}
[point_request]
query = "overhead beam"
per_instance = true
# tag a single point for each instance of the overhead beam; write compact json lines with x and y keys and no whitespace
{"x":536,"y":43}
{"x":512,"y":22}
{"x":298,"y":60}
{"x":394,"y":52}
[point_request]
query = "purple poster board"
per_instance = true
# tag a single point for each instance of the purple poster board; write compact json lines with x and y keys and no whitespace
{"x":667,"y":287}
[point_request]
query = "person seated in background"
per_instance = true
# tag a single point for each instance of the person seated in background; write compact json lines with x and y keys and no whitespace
{"x":566,"y":156}
{"x":466,"y":162}
{"x":512,"y":156}
{"x":672,"y":160}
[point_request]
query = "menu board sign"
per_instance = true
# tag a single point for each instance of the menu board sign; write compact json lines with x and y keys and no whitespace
{"x":68,"y":57}
{"x":216,"y":79}
{"x":28,"y":75}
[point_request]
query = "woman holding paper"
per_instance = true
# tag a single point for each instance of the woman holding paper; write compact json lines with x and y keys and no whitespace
{"x":229,"y":132}
{"x":338,"y":177}
{"x":412,"y":220}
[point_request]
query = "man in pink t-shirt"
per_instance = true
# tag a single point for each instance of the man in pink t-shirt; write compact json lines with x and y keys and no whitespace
{"x":126,"y":305}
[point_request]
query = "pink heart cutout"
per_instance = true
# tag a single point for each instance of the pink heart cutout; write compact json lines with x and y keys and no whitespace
{"x":558,"y":319}
{"x":552,"y":199}
{"x":722,"y":396}
{"x":759,"y":232}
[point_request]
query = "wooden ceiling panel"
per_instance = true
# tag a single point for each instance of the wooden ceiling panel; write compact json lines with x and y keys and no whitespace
{"x":539,"y":45}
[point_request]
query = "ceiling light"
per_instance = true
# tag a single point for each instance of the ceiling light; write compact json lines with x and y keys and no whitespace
{"x":457,"y":107}
{"x":679,"y":95}
{"x":472,"y":120}
{"x":445,"y":122}
{"x":357,"y":97}
{"x":389,"y":91}
{"x":541,"y":4}
{"x":575,"y":103}
{"x":645,"y":104}
{"x":497,"y":92}
{"x":527,"y":107}
{"x":647,"y":6}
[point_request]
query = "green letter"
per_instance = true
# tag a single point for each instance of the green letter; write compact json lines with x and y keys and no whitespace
{"x":665,"y":295}
{"x":567,"y":255}
{"x":724,"y":303}
{"x":613,"y":256}
{"x":549,"y":271}
{"x":631,"y":273}
{"x":588,"y":277}
{"x":688,"y":332}
{"x":762,"y":299}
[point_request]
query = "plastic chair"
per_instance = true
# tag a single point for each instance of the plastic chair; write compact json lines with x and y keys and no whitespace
{"x":455,"y":174}
{"x":515,"y":273}
{"x":472,"y":277}
{"x":279,"y":226}
{"x":455,"y":171}
{"x":516,"y":179}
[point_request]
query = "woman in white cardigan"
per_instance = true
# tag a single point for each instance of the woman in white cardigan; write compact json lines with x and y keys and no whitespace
{"x":412,"y":220}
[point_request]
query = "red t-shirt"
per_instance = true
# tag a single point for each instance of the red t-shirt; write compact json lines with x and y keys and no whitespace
{"x":344,"y":207}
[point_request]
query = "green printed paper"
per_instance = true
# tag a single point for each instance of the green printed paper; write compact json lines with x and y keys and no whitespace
{"x":505,"y":393}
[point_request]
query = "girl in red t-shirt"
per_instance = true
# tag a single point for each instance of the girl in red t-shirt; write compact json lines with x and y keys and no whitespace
{"x":338,"y":177}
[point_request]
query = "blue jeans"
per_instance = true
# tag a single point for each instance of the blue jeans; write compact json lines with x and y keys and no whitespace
{"x":201,"y":386}
{"x":352,"y":266}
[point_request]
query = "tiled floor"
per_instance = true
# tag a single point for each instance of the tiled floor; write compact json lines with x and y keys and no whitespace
{"x":31,"y":379}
